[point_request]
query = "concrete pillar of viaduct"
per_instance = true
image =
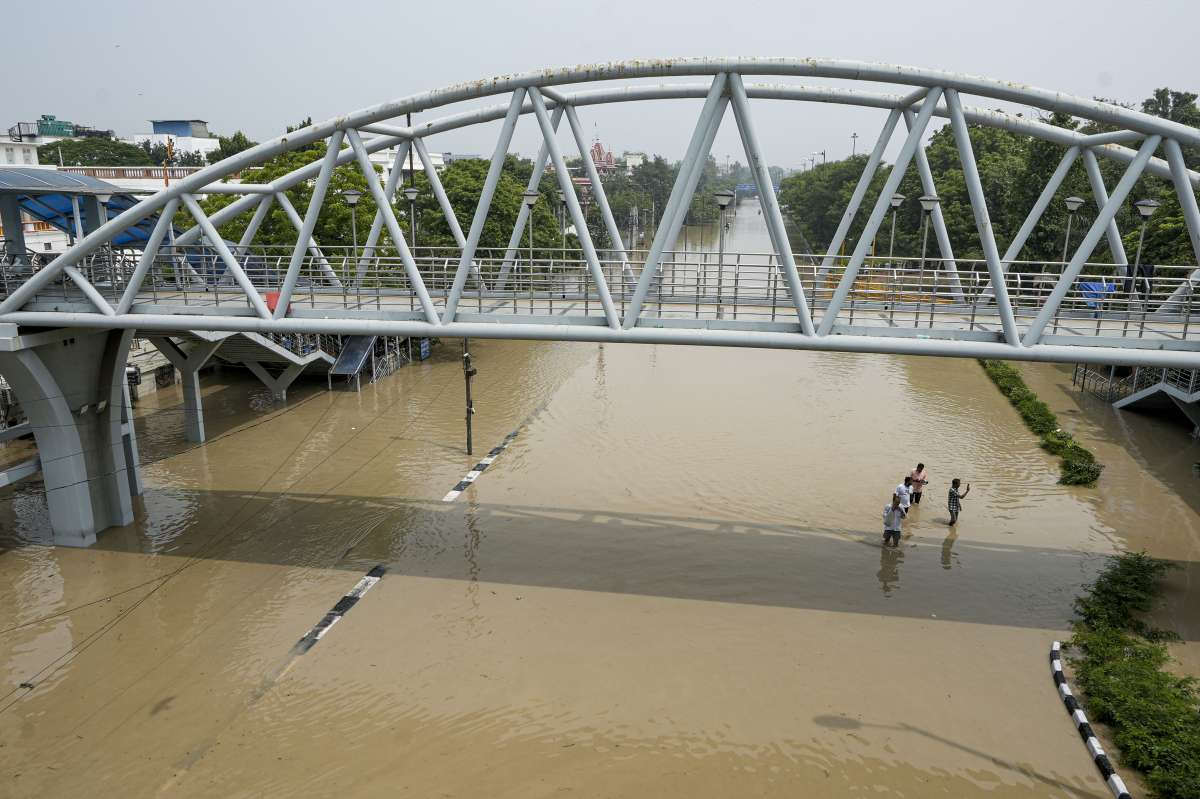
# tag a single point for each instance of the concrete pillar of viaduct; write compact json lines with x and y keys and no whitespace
{"x":71,"y":385}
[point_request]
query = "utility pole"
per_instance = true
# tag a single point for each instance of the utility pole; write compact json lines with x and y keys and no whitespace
{"x":468,"y":373}
{"x":853,"y":144}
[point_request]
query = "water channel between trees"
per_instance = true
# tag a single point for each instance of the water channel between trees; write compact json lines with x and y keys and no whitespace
{"x":669,"y":584}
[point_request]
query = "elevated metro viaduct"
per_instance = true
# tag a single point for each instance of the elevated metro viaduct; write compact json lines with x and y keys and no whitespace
{"x":67,"y":324}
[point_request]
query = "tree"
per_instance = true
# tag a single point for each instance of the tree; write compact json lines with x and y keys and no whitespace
{"x":94,"y":151}
{"x":230,"y":146}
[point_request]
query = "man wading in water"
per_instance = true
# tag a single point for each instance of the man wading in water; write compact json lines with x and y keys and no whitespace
{"x":893,"y":516}
{"x":919,"y":480}
{"x":955,"y":499}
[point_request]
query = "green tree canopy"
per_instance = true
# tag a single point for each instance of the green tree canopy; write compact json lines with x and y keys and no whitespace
{"x":94,"y":151}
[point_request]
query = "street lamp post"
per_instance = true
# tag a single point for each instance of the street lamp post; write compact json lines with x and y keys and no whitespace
{"x":1073,"y":204}
{"x":896,"y":201}
{"x":1145,"y":209}
{"x":724,"y":200}
{"x":351,"y":198}
{"x":928,"y":203}
{"x":410,"y":194}
{"x":530,"y":198}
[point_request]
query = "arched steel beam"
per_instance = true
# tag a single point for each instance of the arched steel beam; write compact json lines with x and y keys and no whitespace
{"x":1134,"y":122}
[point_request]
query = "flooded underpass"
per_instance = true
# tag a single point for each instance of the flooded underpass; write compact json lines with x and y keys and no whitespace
{"x":670,"y":583}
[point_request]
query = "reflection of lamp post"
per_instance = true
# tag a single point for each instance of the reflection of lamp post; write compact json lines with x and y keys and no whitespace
{"x":896,"y":201}
{"x":351,"y":198}
{"x":411,"y":195}
{"x":1073,"y":204}
{"x":724,"y":200}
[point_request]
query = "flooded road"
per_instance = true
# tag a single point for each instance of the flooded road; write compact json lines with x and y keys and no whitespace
{"x":669,"y":584}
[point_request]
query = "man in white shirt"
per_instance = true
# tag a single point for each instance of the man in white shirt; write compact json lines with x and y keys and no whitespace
{"x":893,"y":515}
{"x":904,"y":493}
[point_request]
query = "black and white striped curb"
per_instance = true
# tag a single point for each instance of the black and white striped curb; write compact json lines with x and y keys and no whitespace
{"x":340,"y":609}
{"x":473,"y":475}
{"x":1115,"y":784}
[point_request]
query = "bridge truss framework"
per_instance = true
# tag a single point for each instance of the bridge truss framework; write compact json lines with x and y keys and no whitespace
{"x":820,"y":297}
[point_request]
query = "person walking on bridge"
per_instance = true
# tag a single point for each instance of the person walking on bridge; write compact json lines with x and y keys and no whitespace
{"x":893,"y":517}
{"x":920,"y":477}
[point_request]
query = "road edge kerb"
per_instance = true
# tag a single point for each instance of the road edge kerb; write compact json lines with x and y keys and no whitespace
{"x":1103,"y":764}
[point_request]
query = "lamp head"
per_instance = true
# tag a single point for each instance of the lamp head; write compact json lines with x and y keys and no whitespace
{"x":929,"y":202}
{"x":411,"y":193}
{"x":529,"y":198}
{"x":1147,"y":207}
{"x":1073,"y":203}
{"x":897,"y":199}
{"x":724,"y":198}
{"x":351,"y":197}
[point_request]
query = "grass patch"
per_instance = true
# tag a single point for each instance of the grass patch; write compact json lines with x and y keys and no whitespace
{"x":1120,"y":666}
{"x":1078,"y":465}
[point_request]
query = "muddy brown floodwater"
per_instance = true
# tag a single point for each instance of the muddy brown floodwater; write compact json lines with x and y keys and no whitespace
{"x":670,"y":584}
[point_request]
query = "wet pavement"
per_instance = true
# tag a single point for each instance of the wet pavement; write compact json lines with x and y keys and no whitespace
{"x":669,"y":584}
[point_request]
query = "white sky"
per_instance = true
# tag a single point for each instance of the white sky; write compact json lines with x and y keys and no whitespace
{"x":261,"y":64}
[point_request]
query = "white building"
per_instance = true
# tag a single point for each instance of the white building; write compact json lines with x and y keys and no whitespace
{"x":385,"y":159}
{"x":18,"y":153}
{"x":186,"y":135}
{"x":633,"y":160}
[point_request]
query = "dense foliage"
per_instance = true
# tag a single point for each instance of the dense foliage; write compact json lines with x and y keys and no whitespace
{"x":1013,"y":169}
{"x":1121,"y":665}
{"x":94,"y":151}
{"x":1078,"y":466}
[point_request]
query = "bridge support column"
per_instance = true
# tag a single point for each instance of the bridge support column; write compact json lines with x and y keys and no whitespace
{"x":71,"y":385}
{"x":189,"y":365}
{"x":14,"y":230}
{"x":278,"y":384}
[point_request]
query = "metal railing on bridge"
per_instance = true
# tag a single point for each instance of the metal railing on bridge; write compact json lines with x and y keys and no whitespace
{"x":907,"y":296}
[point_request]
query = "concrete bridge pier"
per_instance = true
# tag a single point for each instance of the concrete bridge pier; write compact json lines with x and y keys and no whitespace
{"x":71,"y":386}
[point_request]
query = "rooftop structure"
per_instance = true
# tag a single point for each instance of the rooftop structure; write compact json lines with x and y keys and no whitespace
{"x":193,"y":128}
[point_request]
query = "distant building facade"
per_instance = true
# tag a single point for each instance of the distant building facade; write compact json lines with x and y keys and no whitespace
{"x":49,"y":128}
{"x":186,"y":136}
{"x":18,"y":153}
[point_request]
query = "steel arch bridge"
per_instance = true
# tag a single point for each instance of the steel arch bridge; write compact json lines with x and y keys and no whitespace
{"x":997,"y":307}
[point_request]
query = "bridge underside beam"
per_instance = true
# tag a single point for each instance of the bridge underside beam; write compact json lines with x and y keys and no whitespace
{"x":981,"y":344}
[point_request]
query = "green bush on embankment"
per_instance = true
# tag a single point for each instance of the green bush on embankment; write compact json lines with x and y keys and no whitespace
{"x":1079,"y":466}
{"x":1119,"y":662}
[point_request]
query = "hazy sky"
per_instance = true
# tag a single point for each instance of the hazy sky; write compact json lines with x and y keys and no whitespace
{"x":261,"y":64}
